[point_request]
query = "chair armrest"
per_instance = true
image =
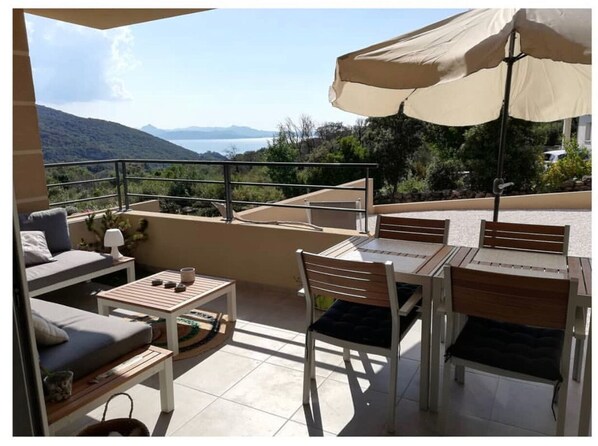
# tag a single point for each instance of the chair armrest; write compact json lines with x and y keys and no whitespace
{"x":408,"y":306}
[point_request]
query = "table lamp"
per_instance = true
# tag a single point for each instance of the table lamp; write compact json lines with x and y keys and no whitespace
{"x":113,"y":239}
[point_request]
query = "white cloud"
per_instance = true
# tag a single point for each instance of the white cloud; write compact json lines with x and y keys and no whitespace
{"x":77,"y":64}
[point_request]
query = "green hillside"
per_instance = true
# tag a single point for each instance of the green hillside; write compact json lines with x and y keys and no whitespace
{"x":67,"y":137}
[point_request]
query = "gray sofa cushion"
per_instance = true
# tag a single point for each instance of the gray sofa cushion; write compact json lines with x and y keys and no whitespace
{"x":53,"y":223}
{"x":68,"y":265}
{"x":94,"y":340}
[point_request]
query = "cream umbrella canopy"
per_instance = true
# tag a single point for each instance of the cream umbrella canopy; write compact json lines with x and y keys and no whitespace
{"x":462,"y":70}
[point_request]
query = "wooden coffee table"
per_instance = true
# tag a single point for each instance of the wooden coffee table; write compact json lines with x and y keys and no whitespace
{"x":142,"y":297}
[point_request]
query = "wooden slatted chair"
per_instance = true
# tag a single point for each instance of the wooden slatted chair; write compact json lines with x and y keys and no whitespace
{"x":527,"y":237}
{"x":414,"y":229}
{"x":543,"y":239}
{"x":366,"y":296}
{"x":538,"y":313}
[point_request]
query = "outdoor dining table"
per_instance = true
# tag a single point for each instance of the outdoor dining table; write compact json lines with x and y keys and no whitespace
{"x":507,"y":262}
{"x":415,"y":263}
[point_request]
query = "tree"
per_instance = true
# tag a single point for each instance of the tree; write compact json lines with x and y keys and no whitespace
{"x":522,"y":162}
{"x":283,"y":150}
{"x":343,"y":150}
{"x":392,"y":140}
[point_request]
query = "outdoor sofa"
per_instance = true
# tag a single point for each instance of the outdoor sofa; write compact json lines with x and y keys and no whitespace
{"x":62,"y":266}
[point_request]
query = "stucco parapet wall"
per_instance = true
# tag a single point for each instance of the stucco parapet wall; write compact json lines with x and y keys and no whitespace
{"x":561,"y":200}
{"x":263,"y":254}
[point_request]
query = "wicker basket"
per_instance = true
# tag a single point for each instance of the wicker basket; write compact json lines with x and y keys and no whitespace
{"x":126,"y":427}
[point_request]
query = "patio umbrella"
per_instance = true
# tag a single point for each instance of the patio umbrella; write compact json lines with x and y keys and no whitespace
{"x":533,"y":64}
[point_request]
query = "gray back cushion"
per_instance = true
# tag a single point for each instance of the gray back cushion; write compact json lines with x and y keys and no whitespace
{"x":53,"y":223}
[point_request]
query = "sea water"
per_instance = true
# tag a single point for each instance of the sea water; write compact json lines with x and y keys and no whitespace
{"x":223,"y":146}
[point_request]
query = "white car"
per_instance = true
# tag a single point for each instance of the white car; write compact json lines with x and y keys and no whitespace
{"x":552,"y":156}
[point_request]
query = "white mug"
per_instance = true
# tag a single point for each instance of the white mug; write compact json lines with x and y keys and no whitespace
{"x":188,"y":275}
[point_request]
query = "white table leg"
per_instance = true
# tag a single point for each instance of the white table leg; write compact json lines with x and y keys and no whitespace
{"x":424,"y":375}
{"x":131,"y":272}
{"x":172,"y":334}
{"x":231,"y":303}
{"x":103,"y":308}
{"x":437,"y":328}
{"x":166,"y":387}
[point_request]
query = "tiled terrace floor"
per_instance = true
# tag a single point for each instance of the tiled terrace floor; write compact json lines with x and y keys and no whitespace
{"x":252,"y":386}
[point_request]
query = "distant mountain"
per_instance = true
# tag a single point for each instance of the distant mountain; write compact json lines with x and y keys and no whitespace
{"x":232,"y":132}
{"x":66,"y":137}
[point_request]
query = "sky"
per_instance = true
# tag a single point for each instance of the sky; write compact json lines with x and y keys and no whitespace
{"x":253,"y":67}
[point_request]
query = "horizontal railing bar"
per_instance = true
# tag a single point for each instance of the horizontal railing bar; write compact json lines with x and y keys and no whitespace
{"x":308,"y":186}
{"x":175,"y":180}
{"x":216,"y":200}
{"x":79,"y":163}
{"x":252,"y":163}
{"x":71,"y":183}
{"x":80,"y":200}
{"x":298,"y":206}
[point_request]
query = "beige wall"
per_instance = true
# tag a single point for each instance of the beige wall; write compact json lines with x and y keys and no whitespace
{"x":255,"y":253}
{"x":562,"y":200}
{"x":29,"y":177}
{"x":264,"y":213}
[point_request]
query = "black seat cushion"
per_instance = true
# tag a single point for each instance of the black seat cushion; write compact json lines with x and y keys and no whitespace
{"x":518,"y":348}
{"x":362,"y":323}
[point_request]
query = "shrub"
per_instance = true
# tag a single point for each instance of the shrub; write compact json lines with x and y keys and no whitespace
{"x":575,"y":165}
{"x":412,"y":184}
{"x":111,"y":220}
{"x":445,"y":175}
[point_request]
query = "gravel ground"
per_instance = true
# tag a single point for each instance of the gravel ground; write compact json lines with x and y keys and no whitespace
{"x":465,"y":225}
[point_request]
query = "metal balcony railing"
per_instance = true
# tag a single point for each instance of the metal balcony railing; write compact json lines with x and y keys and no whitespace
{"x":121,"y":180}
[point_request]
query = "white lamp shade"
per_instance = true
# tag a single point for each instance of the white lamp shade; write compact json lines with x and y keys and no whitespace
{"x":113,"y":237}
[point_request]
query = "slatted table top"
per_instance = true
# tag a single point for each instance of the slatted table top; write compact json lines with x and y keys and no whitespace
{"x":527,"y":264}
{"x":144,"y":295}
{"x":407,"y":256}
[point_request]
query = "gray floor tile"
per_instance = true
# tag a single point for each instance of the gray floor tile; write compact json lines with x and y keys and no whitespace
{"x":271,"y":388}
{"x":218,"y":373}
{"x":225,"y":418}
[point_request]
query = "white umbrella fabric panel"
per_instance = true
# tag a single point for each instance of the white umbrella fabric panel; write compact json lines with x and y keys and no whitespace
{"x":452,"y":72}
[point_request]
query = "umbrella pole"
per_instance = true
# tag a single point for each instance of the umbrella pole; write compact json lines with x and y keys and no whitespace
{"x":510,"y":60}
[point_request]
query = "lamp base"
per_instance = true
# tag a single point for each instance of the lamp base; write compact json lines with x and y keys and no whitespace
{"x":116,"y":255}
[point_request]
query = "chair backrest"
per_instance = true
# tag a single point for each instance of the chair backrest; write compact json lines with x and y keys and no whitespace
{"x":525,"y":300}
{"x":414,"y":229}
{"x":334,"y":219}
{"x":354,"y":281}
{"x":520,"y":236}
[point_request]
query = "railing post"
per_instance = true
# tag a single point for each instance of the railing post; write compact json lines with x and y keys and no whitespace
{"x":366,"y":201}
{"x":117,"y":175}
{"x":125,"y":185}
{"x":227,"y":192}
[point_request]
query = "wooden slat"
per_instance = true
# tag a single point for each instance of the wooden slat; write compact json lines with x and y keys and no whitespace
{"x":407,"y":228}
{"x":85,"y":392}
{"x":433,"y":263}
{"x":312,"y":260}
{"x":348,"y":281}
{"x":412,"y":236}
{"x":556,"y":238}
{"x":463,"y":256}
{"x":524,"y":227}
{"x":329,"y":291}
{"x":517,"y":299}
{"x":587,"y":275}
{"x":416,"y":222}
{"x":527,"y":245}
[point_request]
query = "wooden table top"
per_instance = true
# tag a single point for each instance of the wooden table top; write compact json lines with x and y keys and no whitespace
{"x":527,"y":263}
{"x":144,"y":295}
{"x":407,"y":256}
